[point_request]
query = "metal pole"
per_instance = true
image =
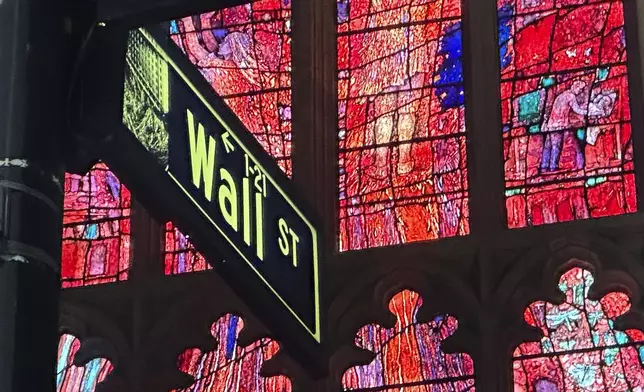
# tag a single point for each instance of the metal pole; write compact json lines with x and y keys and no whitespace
{"x":32,"y":101}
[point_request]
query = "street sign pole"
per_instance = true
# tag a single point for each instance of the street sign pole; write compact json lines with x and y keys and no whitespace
{"x":32,"y":97}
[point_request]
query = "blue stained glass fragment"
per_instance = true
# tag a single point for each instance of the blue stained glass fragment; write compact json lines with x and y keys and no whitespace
{"x":64,"y":354}
{"x":92,"y":371}
{"x":584,"y":374}
{"x":621,"y":337}
{"x":182,"y":263}
{"x":231,"y":337}
{"x":545,"y":385}
{"x":548,"y":81}
{"x":505,"y":33}
{"x":449,"y":90}
{"x":343,"y":11}
{"x":530,"y":107}
{"x":91,"y":231}
{"x":602,"y":74}
{"x":113,"y":184}
{"x":581,"y":134}
{"x":174,"y":29}
{"x":220,"y":33}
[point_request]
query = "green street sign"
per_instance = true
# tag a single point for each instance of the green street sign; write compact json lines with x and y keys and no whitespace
{"x":232,"y":198}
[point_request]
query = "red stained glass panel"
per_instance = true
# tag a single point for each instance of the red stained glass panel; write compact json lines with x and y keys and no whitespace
{"x":179,"y":254}
{"x":408,"y":356}
{"x":244,"y":52}
{"x":232,"y":368}
{"x":96,"y":229}
{"x":580,"y":350}
{"x":565,"y":109}
{"x":402,"y":163}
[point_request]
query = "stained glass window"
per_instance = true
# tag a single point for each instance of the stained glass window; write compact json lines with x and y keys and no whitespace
{"x":245,"y":54}
{"x":409,"y":356}
{"x":565,"y":108}
{"x":71,"y":378}
{"x":580,"y":349}
{"x":402,"y":161}
{"x":96,"y":229}
{"x":180,"y":255}
{"x":232,"y":368}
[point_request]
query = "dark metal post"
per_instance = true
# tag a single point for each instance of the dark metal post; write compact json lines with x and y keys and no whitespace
{"x":32,"y":101}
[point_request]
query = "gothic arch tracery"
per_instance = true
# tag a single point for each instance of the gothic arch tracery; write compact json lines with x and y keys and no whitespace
{"x":231,"y":366}
{"x":374,"y":305}
{"x":586,"y":288}
{"x":93,"y":354}
{"x":211,"y":321}
{"x":76,"y":372}
{"x":409,"y":353}
{"x":580,"y":347}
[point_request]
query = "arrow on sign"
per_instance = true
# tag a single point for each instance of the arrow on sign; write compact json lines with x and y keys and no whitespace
{"x":228,"y":145}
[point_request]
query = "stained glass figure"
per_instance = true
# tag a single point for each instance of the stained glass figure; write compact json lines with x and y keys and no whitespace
{"x":245,"y":54}
{"x":408,"y":357}
{"x":96,"y":229}
{"x":580,"y":350}
{"x":180,"y":255}
{"x":402,"y":162}
{"x":232,"y":368}
{"x":565,"y":111}
{"x":71,"y":378}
